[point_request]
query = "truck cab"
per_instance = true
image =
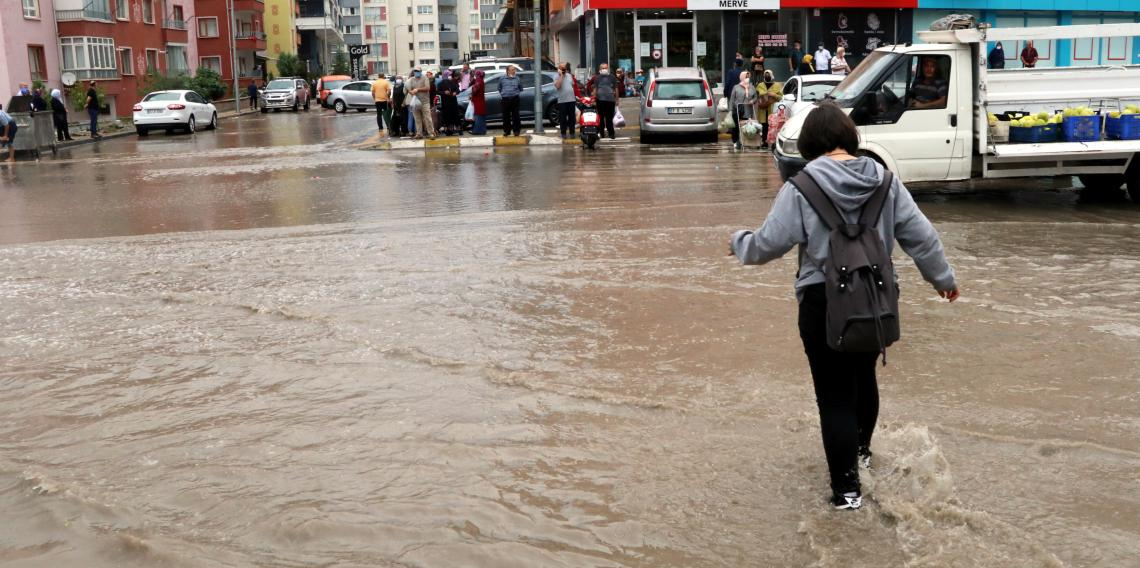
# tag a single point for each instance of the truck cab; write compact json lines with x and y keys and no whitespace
{"x":922,"y":110}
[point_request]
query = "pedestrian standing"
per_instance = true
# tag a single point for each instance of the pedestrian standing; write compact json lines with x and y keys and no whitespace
{"x":733,"y":76}
{"x":768,"y":94}
{"x":510,"y":88}
{"x":795,"y":56}
{"x":399,"y":124}
{"x":251,"y":90}
{"x":806,"y":68}
{"x":565,"y":86}
{"x":1028,"y":55}
{"x":8,"y":130}
{"x":92,"y":106}
{"x":465,"y":78}
{"x":605,"y":94}
{"x":433,"y":96}
{"x":381,"y":96}
{"x":449,"y":105}
{"x":38,"y":102}
{"x":822,"y":60}
{"x":619,"y":79}
{"x":24,"y":91}
{"x":741,"y":104}
{"x":59,"y":116}
{"x":479,"y":102}
{"x":997,"y":57}
{"x":419,"y":87}
{"x":757,"y":72}
{"x":839,"y":62}
{"x":846,"y":391}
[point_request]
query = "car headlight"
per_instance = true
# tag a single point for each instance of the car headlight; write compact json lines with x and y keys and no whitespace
{"x":790,"y":147}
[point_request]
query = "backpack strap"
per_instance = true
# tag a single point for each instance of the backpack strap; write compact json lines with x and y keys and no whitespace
{"x":823,"y":206}
{"x":873,"y":209}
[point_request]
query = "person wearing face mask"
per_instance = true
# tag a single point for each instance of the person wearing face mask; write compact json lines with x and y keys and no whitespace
{"x":479,"y":101}
{"x":399,"y":125}
{"x":822,"y":60}
{"x":420,"y":87}
{"x":510,"y":88}
{"x":733,"y":76}
{"x":567,"y":88}
{"x":605,"y":92}
{"x":741,"y":103}
{"x":768,"y":93}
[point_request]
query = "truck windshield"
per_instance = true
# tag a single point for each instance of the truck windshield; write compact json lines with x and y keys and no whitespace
{"x":852,"y":88}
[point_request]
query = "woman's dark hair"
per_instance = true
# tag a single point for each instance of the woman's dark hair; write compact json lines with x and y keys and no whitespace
{"x":826,"y":128}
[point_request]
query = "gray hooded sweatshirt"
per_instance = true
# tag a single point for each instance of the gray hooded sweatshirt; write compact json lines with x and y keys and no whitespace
{"x":849,"y":184}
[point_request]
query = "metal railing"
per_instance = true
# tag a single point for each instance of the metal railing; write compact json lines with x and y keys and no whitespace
{"x":249,"y":35}
{"x":174,"y":24}
{"x":84,"y":14}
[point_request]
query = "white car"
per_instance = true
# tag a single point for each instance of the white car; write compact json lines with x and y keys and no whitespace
{"x":802,"y":91}
{"x":168,"y":110}
{"x":357,"y":95}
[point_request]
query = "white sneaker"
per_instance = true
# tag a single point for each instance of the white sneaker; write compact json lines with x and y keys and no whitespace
{"x":851,"y":500}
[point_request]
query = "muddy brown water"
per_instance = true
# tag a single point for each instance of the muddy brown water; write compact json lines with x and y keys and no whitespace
{"x":310,"y":356}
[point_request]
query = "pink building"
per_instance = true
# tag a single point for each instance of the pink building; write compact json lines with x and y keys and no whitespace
{"x":29,"y":49}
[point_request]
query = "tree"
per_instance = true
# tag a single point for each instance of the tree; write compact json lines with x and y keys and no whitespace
{"x":208,"y":83}
{"x":155,"y":81}
{"x":340,"y":63}
{"x":288,"y":65}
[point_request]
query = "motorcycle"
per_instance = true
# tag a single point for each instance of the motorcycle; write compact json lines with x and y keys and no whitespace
{"x":589,"y":122}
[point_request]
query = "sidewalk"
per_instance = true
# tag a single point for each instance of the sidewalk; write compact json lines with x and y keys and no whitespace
{"x":85,"y":138}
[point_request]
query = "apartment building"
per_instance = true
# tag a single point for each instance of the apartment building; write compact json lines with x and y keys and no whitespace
{"x":281,"y":36}
{"x":320,"y":25}
{"x":27,"y":45}
{"x":116,"y":42}
{"x":216,"y":31}
{"x":491,"y":42}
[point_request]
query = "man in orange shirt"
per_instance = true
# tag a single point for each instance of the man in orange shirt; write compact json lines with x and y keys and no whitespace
{"x":381,"y":94}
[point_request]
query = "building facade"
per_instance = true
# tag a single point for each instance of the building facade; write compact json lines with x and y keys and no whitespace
{"x":321,"y":30}
{"x":217,"y":33}
{"x":281,"y":34}
{"x":28,"y":46}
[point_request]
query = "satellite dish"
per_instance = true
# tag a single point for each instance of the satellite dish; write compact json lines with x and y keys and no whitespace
{"x":68,"y":78}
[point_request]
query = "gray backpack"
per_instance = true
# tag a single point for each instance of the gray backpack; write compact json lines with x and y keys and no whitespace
{"x":862,"y":298}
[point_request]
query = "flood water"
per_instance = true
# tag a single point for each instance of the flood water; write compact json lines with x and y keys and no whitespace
{"x":262,"y":348}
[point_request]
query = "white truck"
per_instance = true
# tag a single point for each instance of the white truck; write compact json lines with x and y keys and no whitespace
{"x":941,"y":132}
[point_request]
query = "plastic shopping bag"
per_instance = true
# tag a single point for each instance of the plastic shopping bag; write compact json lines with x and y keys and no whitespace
{"x":469,"y":115}
{"x":619,"y":119}
{"x":722,"y":106}
{"x":727,"y":124}
{"x":414,"y":103}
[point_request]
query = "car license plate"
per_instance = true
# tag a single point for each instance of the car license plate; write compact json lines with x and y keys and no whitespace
{"x":154,"y":111}
{"x":680,"y":110}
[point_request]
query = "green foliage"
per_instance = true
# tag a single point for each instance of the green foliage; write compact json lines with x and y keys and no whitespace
{"x":289,"y":65}
{"x":38,"y":84}
{"x":155,"y":81}
{"x":208,"y":83}
{"x":77,"y":96}
{"x":340,"y":63}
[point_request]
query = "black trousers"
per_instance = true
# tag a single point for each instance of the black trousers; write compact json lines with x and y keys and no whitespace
{"x":606,"y":112}
{"x":845,"y":391}
{"x":61,"y":131}
{"x":512,"y":124}
{"x":566,"y":117}
{"x":399,"y":124}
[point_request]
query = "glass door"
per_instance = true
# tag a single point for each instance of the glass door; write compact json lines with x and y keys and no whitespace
{"x":680,"y":42}
{"x":650,"y":45}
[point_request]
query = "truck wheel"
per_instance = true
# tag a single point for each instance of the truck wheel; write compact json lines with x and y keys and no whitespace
{"x":1102,"y":185}
{"x":1132,"y":179}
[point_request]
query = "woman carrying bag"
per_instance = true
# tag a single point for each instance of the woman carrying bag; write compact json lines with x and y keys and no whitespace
{"x":478,"y":104}
{"x":768,"y":93}
{"x":741,"y":103}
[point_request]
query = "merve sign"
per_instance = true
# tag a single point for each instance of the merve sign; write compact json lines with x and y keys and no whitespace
{"x":733,"y":4}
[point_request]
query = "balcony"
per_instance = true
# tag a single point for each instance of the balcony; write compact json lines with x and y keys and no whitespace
{"x":248,"y":39}
{"x":448,"y":20}
{"x":249,"y":6}
{"x":451,"y":55}
{"x":448,"y":37}
{"x":84,"y":14}
{"x":174,"y":31}
{"x":446,"y":3}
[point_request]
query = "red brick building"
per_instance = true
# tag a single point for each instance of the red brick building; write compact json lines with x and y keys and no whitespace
{"x":212,"y":30}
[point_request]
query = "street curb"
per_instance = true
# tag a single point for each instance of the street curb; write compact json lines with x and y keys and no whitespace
{"x":130,"y":132}
{"x":379,"y":142}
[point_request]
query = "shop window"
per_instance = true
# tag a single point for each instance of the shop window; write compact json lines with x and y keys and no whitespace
{"x":621,"y":38}
{"x":709,"y":38}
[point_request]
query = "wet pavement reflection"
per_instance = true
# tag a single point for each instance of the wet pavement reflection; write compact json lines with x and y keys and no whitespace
{"x":260,"y":347}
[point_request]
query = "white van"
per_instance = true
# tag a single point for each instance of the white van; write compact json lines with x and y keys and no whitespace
{"x":950,"y":140}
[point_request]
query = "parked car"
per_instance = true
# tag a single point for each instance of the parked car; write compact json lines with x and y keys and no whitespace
{"x":488,"y":64}
{"x":677,"y":100}
{"x":174,"y":109}
{"x":356,"y":94}
{"x":526,"y":100}
{"x":285,"y":92}
{"x":802,"y":92}
{"x":328,"y":83}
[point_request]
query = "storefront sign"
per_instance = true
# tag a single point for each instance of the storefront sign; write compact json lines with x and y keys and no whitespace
{"x":702,"y":49}
{"x":858,"y":31}
{"x":772,"y":40}
{"x":733,"y":4}
{"x":645,"y":49}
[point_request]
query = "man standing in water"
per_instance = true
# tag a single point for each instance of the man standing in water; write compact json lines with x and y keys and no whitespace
{"x":846,"y":391}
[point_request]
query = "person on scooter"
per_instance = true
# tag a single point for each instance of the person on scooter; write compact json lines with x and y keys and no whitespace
{"x":604,"y":91}
{"x":567,"y":88}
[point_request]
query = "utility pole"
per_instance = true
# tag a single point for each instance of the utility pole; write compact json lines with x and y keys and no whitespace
{"x":233,"y":55}
{"x":537,"y":27}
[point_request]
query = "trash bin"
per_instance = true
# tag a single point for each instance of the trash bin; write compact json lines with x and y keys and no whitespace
{"x":37,"y":131}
